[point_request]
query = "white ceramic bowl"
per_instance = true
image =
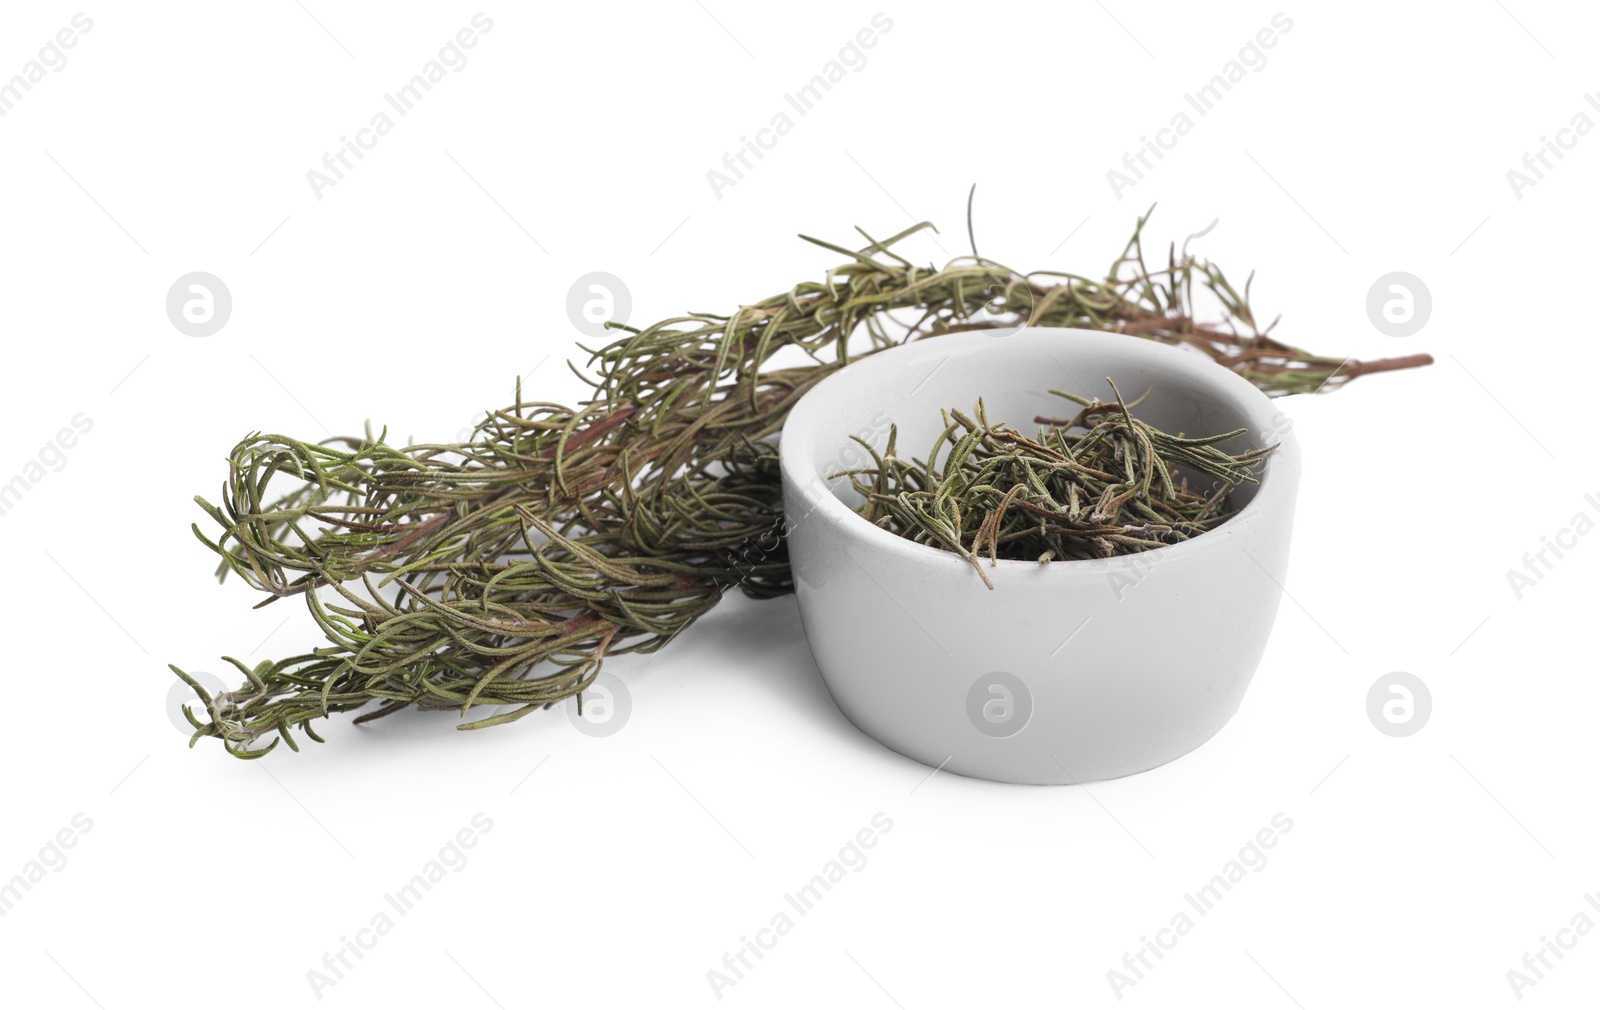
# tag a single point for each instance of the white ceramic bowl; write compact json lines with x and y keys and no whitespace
{"x":1067,"y":672}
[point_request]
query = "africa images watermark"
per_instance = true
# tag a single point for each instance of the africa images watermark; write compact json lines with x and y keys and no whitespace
{"x":452,"y":59}
{"x":1252,"y":58}
{"x":851,"y":858}
{"x":851,"y":59}
{"x":1536,"y":963}
{"x":52,"y":858}
{"x":1252,"y":858}
{"x":52,"y":458}
{"x":1537,"y":162}
{"x":1537,"y":564}
{"x":451,"y":858}
{"x":52,"y":58}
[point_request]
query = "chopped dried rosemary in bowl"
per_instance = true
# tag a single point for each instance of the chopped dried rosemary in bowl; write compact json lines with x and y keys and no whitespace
{"x":1098,"y":484}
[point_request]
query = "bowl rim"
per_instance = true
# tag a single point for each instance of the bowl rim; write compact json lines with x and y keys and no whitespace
{"x":804,"y":428}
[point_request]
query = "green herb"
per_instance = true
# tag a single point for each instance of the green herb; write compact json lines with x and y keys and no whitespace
{"x":503,"y":570}
{"x":1097,"y":485}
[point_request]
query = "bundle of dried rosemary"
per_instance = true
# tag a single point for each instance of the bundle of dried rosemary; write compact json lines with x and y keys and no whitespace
{"x":502,"y":570}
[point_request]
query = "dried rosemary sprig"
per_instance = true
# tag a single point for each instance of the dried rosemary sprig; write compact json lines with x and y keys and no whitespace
{"x":501,"y":571}
{"x":1100,"y":484}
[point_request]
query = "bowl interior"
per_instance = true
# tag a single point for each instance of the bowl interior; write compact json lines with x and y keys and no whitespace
{"x":1014,"y":375}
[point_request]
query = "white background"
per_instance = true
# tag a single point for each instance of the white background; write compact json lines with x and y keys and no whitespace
{"x":578,"y":138}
